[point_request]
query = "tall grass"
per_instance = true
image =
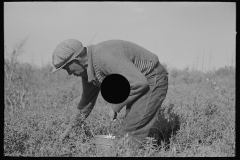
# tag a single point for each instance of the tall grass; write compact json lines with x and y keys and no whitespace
{"x":39,"y":106}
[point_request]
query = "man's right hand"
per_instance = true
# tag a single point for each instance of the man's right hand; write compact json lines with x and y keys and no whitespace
{"x":65,"y":133}
{"x":77,"y":120}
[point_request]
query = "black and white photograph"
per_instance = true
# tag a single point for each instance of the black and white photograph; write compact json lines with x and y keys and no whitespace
{"x":119,"y":79}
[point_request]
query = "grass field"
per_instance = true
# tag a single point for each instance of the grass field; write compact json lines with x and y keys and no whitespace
{"x":39,"y":106}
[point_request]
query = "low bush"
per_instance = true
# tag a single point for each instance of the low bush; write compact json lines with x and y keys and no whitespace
{"x":39,"y":106}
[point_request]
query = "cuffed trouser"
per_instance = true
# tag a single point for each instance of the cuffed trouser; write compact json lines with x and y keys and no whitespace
{"x":142,"y":114}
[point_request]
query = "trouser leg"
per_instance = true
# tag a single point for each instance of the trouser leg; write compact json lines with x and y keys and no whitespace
{"x":144,"y":111}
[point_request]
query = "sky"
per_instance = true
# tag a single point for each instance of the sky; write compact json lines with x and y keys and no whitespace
{"x":195,"y":34}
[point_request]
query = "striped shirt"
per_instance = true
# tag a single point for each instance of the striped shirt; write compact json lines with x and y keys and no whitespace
{"x":144,"y":66}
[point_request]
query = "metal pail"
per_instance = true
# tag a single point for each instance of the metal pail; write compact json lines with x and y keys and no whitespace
{"x":105,"y":143}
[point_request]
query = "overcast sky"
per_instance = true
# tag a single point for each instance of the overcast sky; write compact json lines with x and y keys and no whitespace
{"x":180,"y":33}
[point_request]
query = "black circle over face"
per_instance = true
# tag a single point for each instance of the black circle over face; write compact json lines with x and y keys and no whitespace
{"x":115,"y":88}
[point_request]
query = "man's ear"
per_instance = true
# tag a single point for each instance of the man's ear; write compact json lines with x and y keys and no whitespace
{"x":83,"y":53}
{"x":77,"y":61}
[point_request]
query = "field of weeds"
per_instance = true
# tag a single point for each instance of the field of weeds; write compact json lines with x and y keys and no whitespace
{"x":39,"y":106}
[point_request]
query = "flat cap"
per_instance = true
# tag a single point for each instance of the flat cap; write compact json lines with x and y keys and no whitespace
{"x":65,"y":52}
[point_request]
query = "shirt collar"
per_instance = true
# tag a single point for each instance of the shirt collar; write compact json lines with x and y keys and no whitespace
{"x":90,"y":70}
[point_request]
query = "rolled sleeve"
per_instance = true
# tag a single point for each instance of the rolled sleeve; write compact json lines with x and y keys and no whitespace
{"x":89,"y":97}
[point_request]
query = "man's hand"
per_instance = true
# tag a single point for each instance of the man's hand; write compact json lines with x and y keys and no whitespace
{"x":77,"y":120}
{"x":113,"y":115}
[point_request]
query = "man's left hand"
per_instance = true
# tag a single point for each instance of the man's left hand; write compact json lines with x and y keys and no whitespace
{"x":113,"y":115}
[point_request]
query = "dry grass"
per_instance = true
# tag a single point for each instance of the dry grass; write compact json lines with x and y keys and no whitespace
{"x":38,"y":109}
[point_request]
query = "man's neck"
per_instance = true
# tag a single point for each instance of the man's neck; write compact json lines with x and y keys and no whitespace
{"x":84,"y":60}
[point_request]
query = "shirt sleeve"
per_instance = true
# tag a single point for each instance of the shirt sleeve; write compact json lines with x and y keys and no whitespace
{"x":89,"y":97}
{"x":119,"y":64}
